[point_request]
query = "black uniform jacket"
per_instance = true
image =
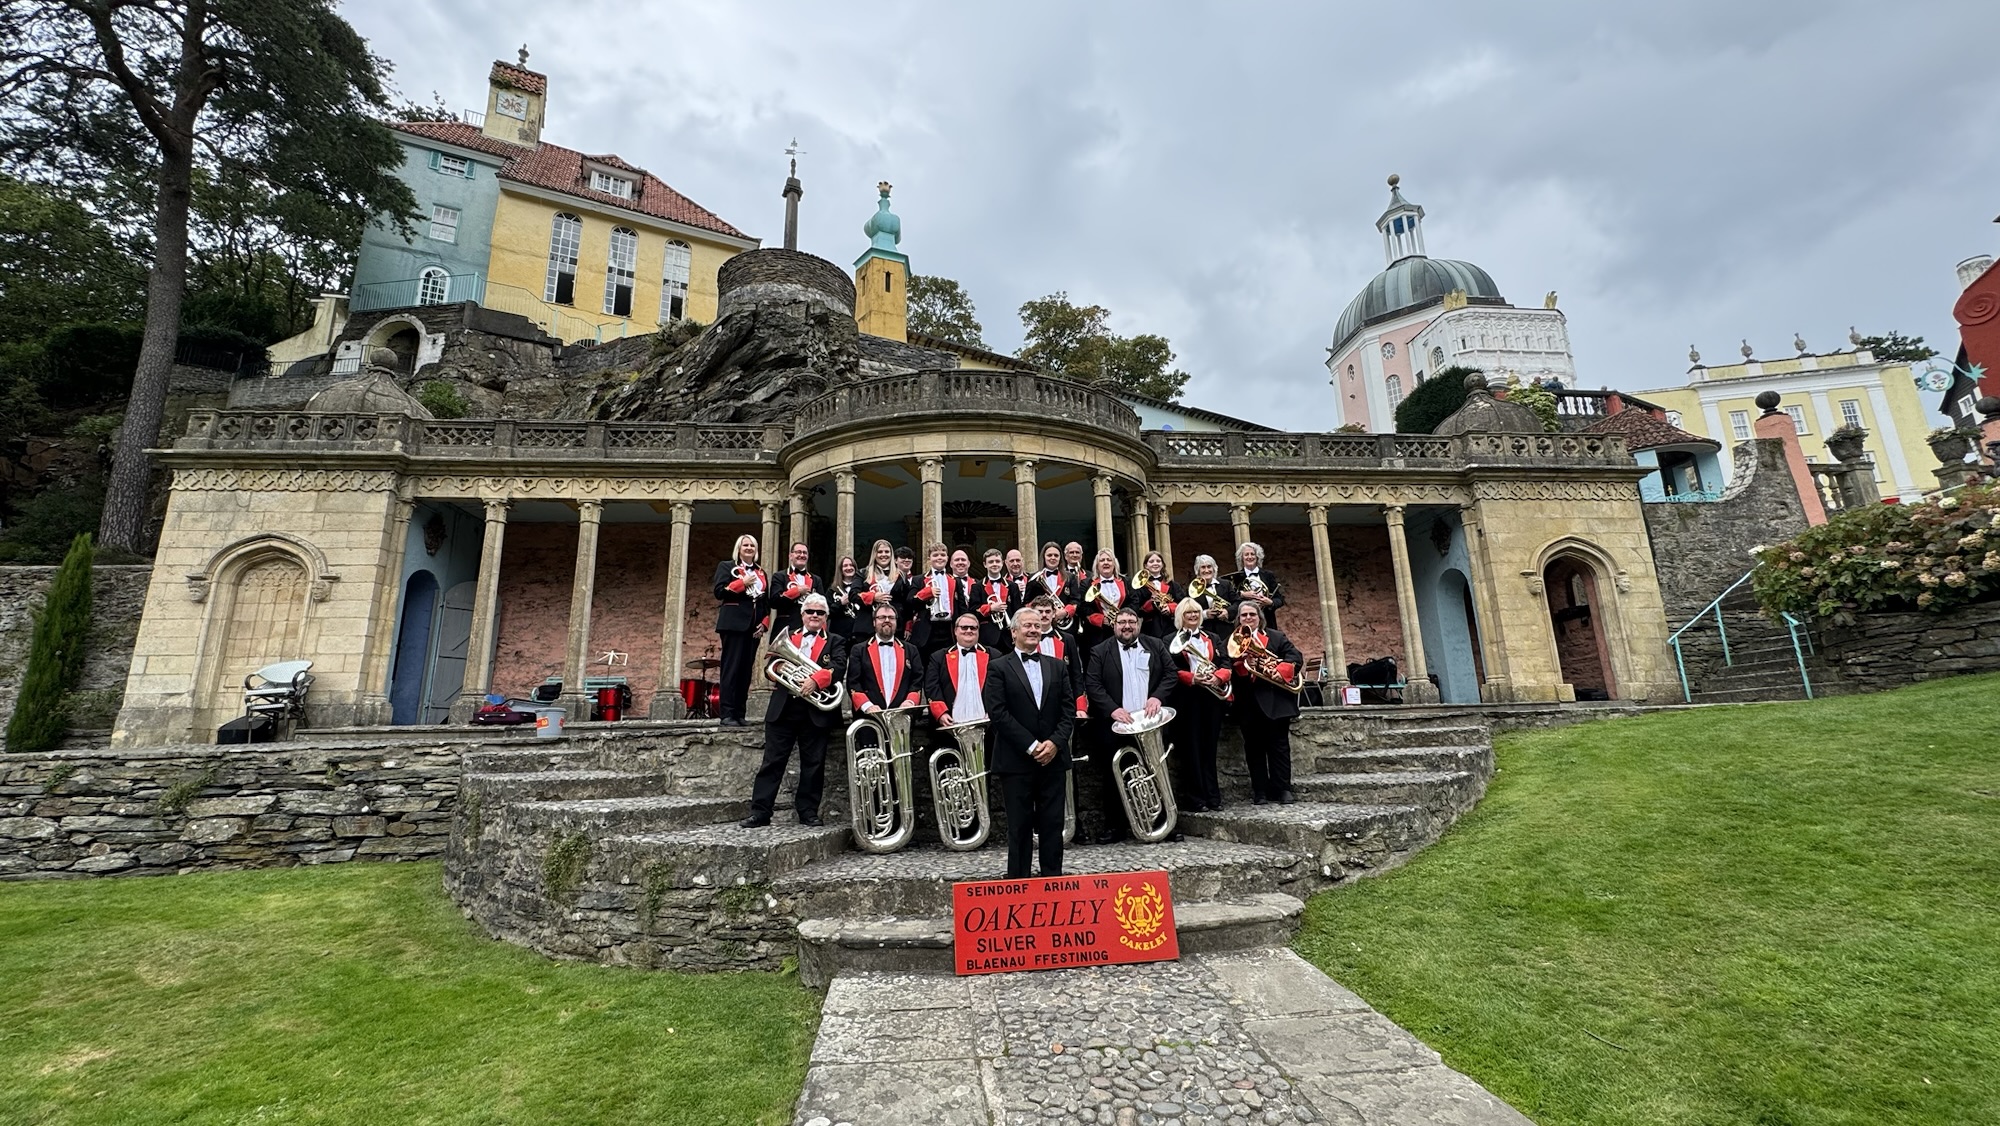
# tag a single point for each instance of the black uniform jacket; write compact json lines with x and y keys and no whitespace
{"x":1018,"y":722}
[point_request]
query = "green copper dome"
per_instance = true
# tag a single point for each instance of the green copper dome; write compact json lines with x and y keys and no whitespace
{"x":1412,"y":283}
{"x":884,"y":229}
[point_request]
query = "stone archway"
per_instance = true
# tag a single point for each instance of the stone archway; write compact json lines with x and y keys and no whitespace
{"x":1577,"y":621}
{"x":413,"y":648}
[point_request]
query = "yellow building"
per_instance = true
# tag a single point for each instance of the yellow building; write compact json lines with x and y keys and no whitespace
{"x":1822,"y":393}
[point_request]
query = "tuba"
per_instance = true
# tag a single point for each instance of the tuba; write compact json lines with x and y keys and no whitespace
{"x":1141,"y":773}
{"x":1183,"y":642}
{"x":1259,"y":661}
{"x":880,"y":788}
{"x":787,"y":666}
{"x":958,"y":788}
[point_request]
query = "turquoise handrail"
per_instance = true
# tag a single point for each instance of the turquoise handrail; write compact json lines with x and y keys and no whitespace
{"x":1674,"y":638}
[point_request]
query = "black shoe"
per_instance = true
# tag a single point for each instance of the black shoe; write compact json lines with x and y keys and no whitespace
{"x":754,"y":821}
{"x":1258,"y":800}
{"x":732,"y":721}
{"x":1176,"y":836}
{"x":812,"y":823}
{"x":1288,"y":798}
{"x":1108,"y":837}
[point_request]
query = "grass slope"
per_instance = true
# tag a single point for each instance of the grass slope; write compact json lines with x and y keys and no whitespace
{"x":357,"y":994}
{"x":1783,"y":914}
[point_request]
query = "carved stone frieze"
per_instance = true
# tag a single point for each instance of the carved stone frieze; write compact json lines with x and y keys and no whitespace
{"x":285,"y":480}
{"x":600,"y":488}
{"x":1556,"y":490}
{"x":1210,"y":492}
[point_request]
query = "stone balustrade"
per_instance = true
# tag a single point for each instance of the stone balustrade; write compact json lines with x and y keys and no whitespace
{"x":308,"y":432}
{"x":925,"y":393}
{"x":1239,"y":449}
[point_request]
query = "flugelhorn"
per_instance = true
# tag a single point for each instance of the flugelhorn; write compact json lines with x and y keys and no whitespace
{"x":880,"y":786}
{"x":958,"y":788}
{"x":1184,"y":642}
{"x":1259,"y":661}
{"x":1141,"y":773}
{"x":788,"y":667}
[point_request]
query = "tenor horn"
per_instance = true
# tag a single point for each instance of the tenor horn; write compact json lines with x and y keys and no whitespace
{"x":1141,"y":774}
{"x":1261,"y":662}
{"x":880,"y":786}
{"x":958,"y":788}
{"x":788,"y":667}
{"x":1184,"y":642}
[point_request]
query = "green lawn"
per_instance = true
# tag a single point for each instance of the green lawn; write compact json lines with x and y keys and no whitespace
{"x":357,"y":994}
{"x":1781,"y":914}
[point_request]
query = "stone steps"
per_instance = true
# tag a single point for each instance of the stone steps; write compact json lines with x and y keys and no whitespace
{"x":1343,"y":840}
{"x":653,"y":813}
{"x":1442,"y":792}
{"x":1420,"y":760}
{"x":529,"y":760}
{"x":563,"y":785}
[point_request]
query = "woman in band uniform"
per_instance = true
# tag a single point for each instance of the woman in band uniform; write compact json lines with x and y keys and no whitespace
{"x":1216,"y":598}
{"x":881,"y":583}
{"x":1201,"y":702}
{"x":744,"y":591}
{"x":1158,"y":596}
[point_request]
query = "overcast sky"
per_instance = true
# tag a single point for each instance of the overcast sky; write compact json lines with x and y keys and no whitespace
{"x":1680,"y":173}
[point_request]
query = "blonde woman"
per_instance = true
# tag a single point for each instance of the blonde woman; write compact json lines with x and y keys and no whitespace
{"x":743,"y":591}
{"x":881,"y":582}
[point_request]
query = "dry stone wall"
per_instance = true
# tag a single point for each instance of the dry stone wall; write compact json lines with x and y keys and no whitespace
{"x":118,"y":595}
{"x":1887,"y":650}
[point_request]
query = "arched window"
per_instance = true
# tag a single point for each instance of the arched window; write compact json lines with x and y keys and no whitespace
{"x":565,"y":241}
{"x":674,"y":281}
{"x":1395,"y":385}
{"x":1437,"y":358}
{"x":620,"y":265}
{"x":433,"y":286}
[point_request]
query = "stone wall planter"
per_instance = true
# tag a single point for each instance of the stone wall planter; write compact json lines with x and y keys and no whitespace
{"x":1886,"y":650}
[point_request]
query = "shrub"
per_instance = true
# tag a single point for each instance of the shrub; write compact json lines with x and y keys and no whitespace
{"x":1934,"y":556}
{"x":51,"y":521}
{"x":442,"y":399}
{"x":1536,"y":398}
{"x":88,"y":363}
{"x":55,"y":656}
{"x":1432,"y":401}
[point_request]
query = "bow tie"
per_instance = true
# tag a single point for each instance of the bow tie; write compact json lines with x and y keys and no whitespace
{"x":965,"y":652}
{"x":1129,"y":645}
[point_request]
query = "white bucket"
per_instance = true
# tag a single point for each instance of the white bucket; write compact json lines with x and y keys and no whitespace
{"x":549,"y":723}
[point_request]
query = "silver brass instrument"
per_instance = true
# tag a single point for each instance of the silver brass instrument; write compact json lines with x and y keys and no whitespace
{"x":1069,"y":796}
{"x":880,"y":787}
{"x":997,"y":615}
{"x":1143,"y":785}
{"x":751,"y":577}
{"x":1261,"y":662}
{"x":1183,"y":642}
{"x":788,"y":667}
{"x":958,"y":788}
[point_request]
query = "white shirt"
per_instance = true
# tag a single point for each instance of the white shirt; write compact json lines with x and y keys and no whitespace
{"x":885,"y":670}
{"x":970,"y":703}
{"x":1137,"y":661}
{"x":1033,"y":668}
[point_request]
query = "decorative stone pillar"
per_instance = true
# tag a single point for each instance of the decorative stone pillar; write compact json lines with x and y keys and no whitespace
{"x":1497,"y":688}
{"x":582,"y":588}
{"x":1239,"y":526}
{"x":667,"y":702}
{"x":932,"y":470}
{"x":843,"y":521}
{"x":1417,"y":674}
{"x":1139,"y":540}
{"x":797,"y":503}
{"x":485,"y":615}
{"x":1163,"y":534}
{"x":375,"y":707}
{"x":1026,"y":532}
{"x":1100,"y":487}
{"x":1335,"y":645}
{"x":767,"y":546}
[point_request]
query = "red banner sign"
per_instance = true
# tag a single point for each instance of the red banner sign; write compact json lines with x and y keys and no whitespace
{"x":1049,"y":923}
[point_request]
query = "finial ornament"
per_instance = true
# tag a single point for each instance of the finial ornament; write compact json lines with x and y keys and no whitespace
{"x":1799,"y":342}
{"x":522,"y":54}
{"x":1746,"y":349}
{"x":1694,"y":357}
{"x":883,"y":187}
{"x":1394,"y":179}
{"x":795,"y":152}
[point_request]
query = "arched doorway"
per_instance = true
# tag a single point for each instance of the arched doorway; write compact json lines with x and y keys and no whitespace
{"x":1456,"y":660}
{"x":1575,"y":614}
{"x":413,"y":649}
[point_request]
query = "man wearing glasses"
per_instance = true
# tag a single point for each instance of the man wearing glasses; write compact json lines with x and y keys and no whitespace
{"x":790,"y":721}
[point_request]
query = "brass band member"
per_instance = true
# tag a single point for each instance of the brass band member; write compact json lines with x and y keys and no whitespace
{"x":1201,"y":702}
{"x":1028,"y":698}
{"x":939,"y":596}
{"x":790,"y":721}
{"x":1054,"y":582}
{"x":1127,"y":675}
{"x":884,"y":671}
{"x":1256,"y":585}
{"x":790,"y":588}
{"x":1216,"y":598}
{"x":956,"y":681}
{"x":882,"y":584}
{"x":995,"y":600}
{"x":1157,"y":597}
{"x":843,"y":596}
{"x":1100,"y":597}
{"x":1054,"y":644}
{"x":1265,"y":711}
{"x":744,"y":591}
{"x":1017,"y":581}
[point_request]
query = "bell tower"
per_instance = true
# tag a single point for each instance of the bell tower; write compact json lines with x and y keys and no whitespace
{"x":516,"y":102}
{"x":1401,"y":225}
{"x":882,"y":276}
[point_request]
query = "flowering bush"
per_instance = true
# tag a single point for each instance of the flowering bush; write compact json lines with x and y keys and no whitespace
{"x":1933,"y":556}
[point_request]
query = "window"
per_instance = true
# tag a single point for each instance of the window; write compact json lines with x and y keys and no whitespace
{"x":433,"y":286}
{"x":1673,"y":418}
{"x":1739,"y":425}
{"x":674,"y":282}
{"x":1850,"y":412}
{"x":1798,"y":419}
{"x":444,"y":223}
{"x":1395,"y":386}
{"x":453,"y":165}
{"x":1437,"y":358}
{"x":565,"y":239}
{"x":1968,"y":407}
{"x":613,"y":185}
{"x":618,"y":271}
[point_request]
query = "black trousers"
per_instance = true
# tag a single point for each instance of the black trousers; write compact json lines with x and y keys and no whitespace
{"x":1034,"y":805}
{"x":1197,"y":731}
{"x":1102,"y":742}
{"x":1267,"y":750}
{"x":793,"y":727}
{"x":739,"y":653}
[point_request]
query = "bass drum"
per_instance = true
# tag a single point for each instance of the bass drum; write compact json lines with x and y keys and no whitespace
{"x":702,"y":697}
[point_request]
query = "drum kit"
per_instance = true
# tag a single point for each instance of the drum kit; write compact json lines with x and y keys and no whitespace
{"x":702,"y":695}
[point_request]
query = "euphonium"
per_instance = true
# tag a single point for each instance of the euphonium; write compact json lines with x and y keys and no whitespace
{"x":1261,"y":662}
{"x":1143,"y":784}
{"x":1183,"y":642}
{"x":787,"y":666}
{"x":880,"y":786}
{"x":958,"y":788}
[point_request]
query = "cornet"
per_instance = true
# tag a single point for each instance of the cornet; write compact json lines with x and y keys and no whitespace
{"x":1143,"y":785}
{"x":958,"y":788}
{"x":880,"y":786}
{"x":787,"y":666}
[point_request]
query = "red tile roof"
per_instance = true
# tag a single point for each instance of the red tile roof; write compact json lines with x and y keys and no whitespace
{"x":1644,"y":432}
{"x":559,"y":169}
{"x":519,"y":77}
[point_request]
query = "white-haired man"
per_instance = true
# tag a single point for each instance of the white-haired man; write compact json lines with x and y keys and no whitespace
{"x":791,"y":721}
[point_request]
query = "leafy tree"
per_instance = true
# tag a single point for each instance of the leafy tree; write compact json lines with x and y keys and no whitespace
{"x":1895,"y":348}
{"x":153,"y":98}
{"x":940,"y":307}
{"x":1077,"y":342}
{"x":55,"y":656}
{"x":61,"y":264}
{"x":1432,"y":401}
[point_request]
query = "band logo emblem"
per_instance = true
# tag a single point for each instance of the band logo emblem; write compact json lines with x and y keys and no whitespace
{"x":1142,"y":914}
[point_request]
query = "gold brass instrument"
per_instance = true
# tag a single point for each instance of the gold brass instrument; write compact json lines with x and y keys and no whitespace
{"x":1143,"y":785}
{"x":958,"y":788}
{"x":1096,"y":595}
{"x":1261,"y":662}
{"x":880,"y":787}
{"x":1197,"y":589}
{"x":788,"y":667}
{"x":1183,"y":642}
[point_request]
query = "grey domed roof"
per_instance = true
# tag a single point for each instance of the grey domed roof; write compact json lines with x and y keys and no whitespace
{"x":1482,"y":413}
{"x":1408,"y":284}
{"x":374,"y":391}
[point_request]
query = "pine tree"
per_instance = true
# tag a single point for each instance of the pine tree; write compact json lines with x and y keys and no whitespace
{"x":55,"y":655}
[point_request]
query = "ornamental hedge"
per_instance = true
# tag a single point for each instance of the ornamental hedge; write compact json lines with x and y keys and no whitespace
{"x":1934,"y":556}
{"x":55,"y":655}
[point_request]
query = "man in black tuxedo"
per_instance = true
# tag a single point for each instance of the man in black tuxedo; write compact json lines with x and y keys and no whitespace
{"x":789,"y":589}
{"x":1029,"y":702}
{"x":1265,"y":712}
{"x":1127,"y":675}
{"x":884,"y":671}
{"x":791,"y":721}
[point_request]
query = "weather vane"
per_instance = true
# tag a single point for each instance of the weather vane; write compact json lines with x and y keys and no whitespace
{"x":795,"y":152}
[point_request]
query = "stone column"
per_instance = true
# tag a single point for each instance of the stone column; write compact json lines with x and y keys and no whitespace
{"x":843,"y":520}
{"x":798,"y":522}
{"x":380,"y":644}
{"x":1140,"y":545}
{"x":932,"y":471}
{"x":667,"y":703}
{"x":768,"y":551}
{"x":485,"y":615}
{"x":1100,"y":487}
{"x":1026,"y":531}
{"x":1239,"y":526}
{"x":582,"y":587}
{"x":1335,"y":645}
{"x":1163,"y":535}
{"x":1415,"y":673}
{"x":1492,"y":638}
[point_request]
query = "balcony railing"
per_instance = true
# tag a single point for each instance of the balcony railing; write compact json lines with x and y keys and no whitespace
{"x":1039,"y":397}
{"x":1237,"y":449}
{"x":438,"y":289}
{"x":315,"y":431}
{"x":450,"y":289}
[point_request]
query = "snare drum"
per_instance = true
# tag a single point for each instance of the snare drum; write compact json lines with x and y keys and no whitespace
{"x":703,"y":698}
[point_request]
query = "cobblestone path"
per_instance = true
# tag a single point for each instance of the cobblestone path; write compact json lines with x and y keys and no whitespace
{"x":1253,"y":1036}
